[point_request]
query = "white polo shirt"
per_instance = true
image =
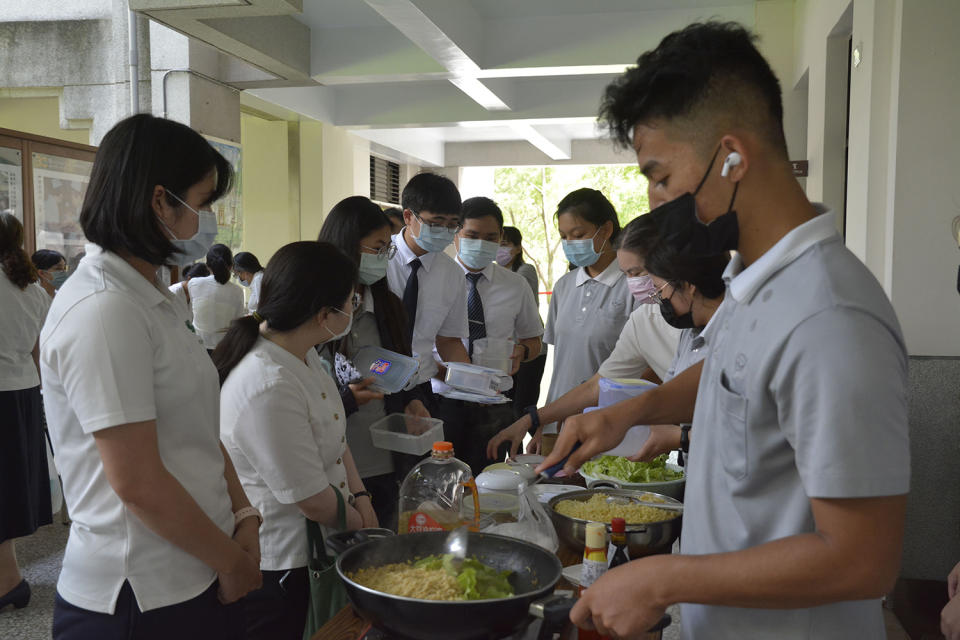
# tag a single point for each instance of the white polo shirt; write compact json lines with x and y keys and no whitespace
{"x":20,"y":322}
{"x":214,"y":307}
{"x":283,"y":424}
{"x":646,"y":341}
{"x":585,"y":320}
{"x":115,"y":350}
{"x":441,"y":301}
{"x":802,"y":395}
{"x":254,"y":300}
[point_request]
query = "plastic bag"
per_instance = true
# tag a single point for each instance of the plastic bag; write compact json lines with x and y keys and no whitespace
{"x":533,"y":523}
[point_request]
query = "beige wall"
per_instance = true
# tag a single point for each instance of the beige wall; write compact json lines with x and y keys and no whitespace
{"x":39,"y":116}
{"x":294,"y":171}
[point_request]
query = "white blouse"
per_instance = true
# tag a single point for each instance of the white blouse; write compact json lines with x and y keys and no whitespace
{"x":254,"y":300}
{"x":115,"y":350}
{"x":20,"y":322}
{"x":214,"y":306}
{"x":283,"y":424}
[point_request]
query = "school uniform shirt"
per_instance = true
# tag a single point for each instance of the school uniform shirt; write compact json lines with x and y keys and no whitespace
{"x":802,"y":395}
{"x":645,"y":341}
{"x":509,"y":310}
{"x":529,"y":273}
{"x":585,"y":320}
{"x":370,"y":460}
{"x":180,"y":292}
{"x":254,"y":301}
{"x":691,"y":350}
{"x":214,"y":306}
{"x":20,"y":322}
{"x":117,"y":349}
{"x":441,"y":302}
{"x":283,"y":424}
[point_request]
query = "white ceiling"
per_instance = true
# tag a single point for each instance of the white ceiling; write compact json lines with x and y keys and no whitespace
{"x":417,"y":76}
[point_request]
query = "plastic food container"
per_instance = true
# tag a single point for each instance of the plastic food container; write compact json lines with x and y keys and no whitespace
{"x":475,"y":379}
{"x":406,"y":434}
{"x":389,"y":369}
{"x":614,"y":391}
{"x":493,"y":353}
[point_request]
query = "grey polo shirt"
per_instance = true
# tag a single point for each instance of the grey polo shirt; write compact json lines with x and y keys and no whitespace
{"x":803,"y":395}
{"x":584,"y":322}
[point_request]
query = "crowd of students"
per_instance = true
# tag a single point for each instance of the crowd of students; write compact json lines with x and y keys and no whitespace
{"x":194,"y":435}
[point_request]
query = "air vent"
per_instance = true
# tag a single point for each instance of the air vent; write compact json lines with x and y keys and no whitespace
{"x":384,"y":180}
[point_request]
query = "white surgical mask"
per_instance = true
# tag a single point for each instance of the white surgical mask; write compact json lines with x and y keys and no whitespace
{"x":372,"y":268}
{"x":195,"y":247}
{"x":346,"y":330}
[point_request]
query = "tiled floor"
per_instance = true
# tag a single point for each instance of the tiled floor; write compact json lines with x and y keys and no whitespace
{"x":41,"y":554}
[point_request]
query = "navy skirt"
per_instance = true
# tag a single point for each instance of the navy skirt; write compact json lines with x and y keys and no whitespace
{"x":24,"y":480}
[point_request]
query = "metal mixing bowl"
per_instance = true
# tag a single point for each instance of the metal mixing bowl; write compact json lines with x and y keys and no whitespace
{"x":642,"y":539}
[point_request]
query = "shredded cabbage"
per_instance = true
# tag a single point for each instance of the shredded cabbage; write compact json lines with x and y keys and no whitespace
{"x":477,"y":580}
{"x":636,"y":472}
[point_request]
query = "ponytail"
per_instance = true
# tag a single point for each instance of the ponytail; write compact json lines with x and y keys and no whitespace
{"x":240,"y":338}
{"x":13,"y":259}
{"x":220,"y":260}
{"x":291,"y":293}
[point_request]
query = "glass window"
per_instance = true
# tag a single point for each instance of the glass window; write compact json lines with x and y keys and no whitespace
{"x":11,"y":182}
{"x":59,"y":185}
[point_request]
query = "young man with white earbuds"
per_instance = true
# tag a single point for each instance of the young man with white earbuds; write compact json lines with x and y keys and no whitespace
{"x":793,"y":521}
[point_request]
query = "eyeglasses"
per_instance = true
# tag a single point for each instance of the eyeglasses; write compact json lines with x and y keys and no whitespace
{"x":657,"y":296}
{"x":450,"y":226}
{"x":386,"y":252}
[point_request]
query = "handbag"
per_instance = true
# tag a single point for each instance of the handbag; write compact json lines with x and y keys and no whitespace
{"x":327,"y":595}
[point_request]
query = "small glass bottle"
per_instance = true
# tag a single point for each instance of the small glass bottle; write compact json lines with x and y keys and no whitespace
{"x":618,"y":543}
{"x":594,"y":566}
{"x":432,"y":493}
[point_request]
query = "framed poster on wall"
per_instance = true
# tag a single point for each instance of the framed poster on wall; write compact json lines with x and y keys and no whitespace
{"x":228,"y":209}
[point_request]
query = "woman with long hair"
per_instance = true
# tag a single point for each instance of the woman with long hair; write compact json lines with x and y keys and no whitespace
{"x":361,"y":230}
{"x":24,"y":483}
{"x":283,"y":423}
{"x":163,"y":537}
{"x":215,"y":301}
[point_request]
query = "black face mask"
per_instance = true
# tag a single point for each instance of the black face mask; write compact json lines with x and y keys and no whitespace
{"x":670,"y":316}
{"x":680,"y":226}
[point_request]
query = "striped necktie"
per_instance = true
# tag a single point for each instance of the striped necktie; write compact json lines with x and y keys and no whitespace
{"x":478,"y":328}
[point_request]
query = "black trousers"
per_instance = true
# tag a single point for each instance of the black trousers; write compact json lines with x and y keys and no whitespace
{"x":526,"y":385}
{"x":200,"y":618}
{"x":385,"y":496}
{"x":24,"y":479}
{"x":469,"y":426}
{"x":278,"y":611}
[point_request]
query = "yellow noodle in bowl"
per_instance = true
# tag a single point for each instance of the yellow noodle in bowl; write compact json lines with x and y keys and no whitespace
{"x":597,"y":509}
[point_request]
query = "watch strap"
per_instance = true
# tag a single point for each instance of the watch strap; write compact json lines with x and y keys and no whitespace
{"x":244,"y":513}
{"x":534,"y":416}
{"x":685,"y":438}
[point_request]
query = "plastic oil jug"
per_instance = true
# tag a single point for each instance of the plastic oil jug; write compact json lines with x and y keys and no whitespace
{"x":431,"y":495}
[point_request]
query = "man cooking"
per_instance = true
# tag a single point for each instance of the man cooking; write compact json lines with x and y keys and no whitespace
{"x":799,"y":467}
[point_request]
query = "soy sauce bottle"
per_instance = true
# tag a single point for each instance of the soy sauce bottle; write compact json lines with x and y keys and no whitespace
{"x":618,"y":543}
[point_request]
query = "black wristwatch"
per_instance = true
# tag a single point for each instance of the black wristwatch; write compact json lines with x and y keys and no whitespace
{"x":685,"y":438}
{"x":359,"y":494}
{"x":534,"y":417}
{"x":526,"y":352}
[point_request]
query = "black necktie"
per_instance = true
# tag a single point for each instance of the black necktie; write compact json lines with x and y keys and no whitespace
{"x":478,"y":328}
{"x":410,"y":293}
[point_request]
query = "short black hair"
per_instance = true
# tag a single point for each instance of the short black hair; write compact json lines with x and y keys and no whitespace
{"x":513,"y":236}
{"x":395,"y":213}
{"x":220,"y":260}
{"x":592,"y":206}
{"x":47,"y":258}
{"x":679,"y":267}
{"x":137,"y":154}
{"x":480,"y":207}
{"x":706,"y":78}
{"x":195,"y":270}
{"x":246,"y":261}
{"x":431,"y":192}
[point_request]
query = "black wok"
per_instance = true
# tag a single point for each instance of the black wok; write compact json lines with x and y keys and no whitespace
{"x":535,"y":573}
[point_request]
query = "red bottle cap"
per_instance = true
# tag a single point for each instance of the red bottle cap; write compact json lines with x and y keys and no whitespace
{"x":618,"y":525}
{"x":443,"y":446}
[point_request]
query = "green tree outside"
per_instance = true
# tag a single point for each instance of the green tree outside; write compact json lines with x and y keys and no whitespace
{"x":528,"y":197}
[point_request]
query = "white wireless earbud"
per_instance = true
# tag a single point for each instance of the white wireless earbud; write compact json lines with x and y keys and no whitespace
{"x":732,"y":161}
